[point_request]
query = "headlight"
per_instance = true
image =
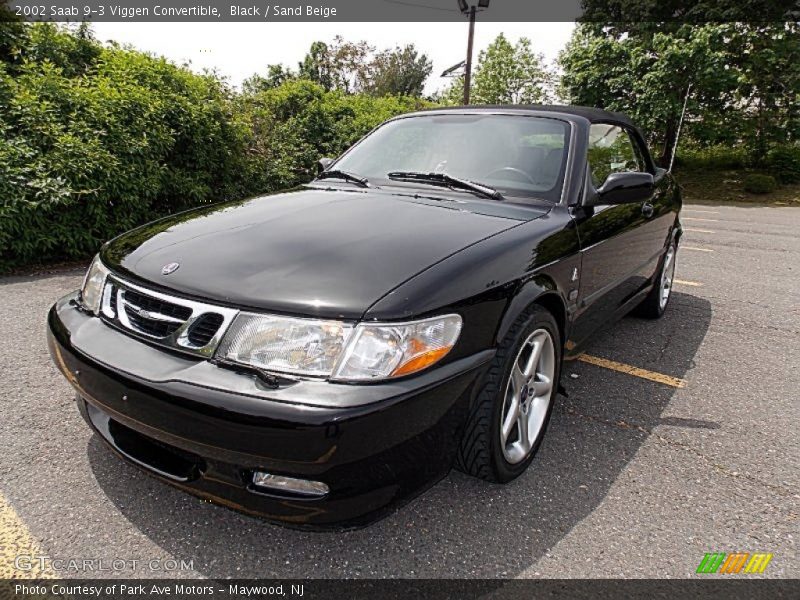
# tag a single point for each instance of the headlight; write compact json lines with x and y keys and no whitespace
{"x":385,"y":350}
{"x":334,"y":349}
{"x":298,"y":346}
{"x":92,"y":289}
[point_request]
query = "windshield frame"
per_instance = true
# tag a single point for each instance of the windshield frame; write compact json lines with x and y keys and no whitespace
{"x":510,"y":197}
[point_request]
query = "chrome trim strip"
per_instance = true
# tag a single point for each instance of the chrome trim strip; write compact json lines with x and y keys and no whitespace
{"x":146,"y":314}
{"x":105,"y":304}
{"x":179,"y":339}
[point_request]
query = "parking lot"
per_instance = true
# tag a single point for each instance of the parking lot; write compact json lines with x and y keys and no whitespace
{"x":642,"y":471}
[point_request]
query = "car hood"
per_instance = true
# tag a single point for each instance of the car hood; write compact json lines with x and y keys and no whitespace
{"x":311,"y":251}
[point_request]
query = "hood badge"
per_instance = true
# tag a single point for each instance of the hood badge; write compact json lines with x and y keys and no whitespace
{"x":170,"y":268}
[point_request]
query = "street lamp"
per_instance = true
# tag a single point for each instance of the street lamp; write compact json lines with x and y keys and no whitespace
{"x":470,"y":10}
{"x":454,"y":70}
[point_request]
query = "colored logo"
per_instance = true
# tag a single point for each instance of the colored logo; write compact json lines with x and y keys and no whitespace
{"x":736,"y":562}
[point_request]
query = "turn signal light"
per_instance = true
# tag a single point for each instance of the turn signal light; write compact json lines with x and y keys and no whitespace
{"x":421,"y":361}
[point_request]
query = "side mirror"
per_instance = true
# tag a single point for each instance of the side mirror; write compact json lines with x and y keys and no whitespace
{"x":324,"y":163}
{"x":624,"y":188}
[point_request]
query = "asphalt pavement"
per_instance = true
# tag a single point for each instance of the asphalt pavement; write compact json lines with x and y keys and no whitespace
{"x":636,"y":477}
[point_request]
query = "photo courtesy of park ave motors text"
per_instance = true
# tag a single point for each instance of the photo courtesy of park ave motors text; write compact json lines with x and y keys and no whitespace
{"x":445,"y":290}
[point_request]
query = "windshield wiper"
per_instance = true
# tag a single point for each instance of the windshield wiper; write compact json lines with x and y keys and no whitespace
{"x":447,"y":180}
{"x":351,"y":177}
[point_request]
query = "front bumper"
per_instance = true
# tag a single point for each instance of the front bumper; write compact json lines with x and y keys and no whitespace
{"x":206,"y":428}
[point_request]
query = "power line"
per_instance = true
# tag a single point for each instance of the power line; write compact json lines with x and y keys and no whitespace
{"x":417,"y":5}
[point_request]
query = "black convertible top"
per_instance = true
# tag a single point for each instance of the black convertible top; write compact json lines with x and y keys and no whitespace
{"x":593,"y":115}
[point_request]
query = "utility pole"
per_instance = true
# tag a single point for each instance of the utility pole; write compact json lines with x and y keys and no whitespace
{"x":470,"y":10}
{"x":468,"y":68}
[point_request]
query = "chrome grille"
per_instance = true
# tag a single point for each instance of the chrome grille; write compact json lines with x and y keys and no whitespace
{"x":153,"y":317}
{"x":164,"y":319}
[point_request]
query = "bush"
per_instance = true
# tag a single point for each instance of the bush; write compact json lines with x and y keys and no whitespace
{"x":95,"y":140}
{"x":715,"y":158}
{"x":784,"y":161}
{"x":89,"y":152}
{"x":757,"y":183}
{"x":296,"y":123}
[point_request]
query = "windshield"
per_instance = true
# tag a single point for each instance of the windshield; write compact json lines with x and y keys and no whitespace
{"x":515,"y":154}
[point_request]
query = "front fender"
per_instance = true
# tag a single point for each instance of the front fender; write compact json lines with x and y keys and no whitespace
{"x":542,"y":289}
{"x":491,"y":282}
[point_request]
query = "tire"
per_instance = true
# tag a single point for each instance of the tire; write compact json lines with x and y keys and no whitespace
{"x":483,"y":452}
{"x":655,"y":305}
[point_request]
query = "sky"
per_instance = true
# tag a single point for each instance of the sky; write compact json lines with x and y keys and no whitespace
{"x":237,"y":50}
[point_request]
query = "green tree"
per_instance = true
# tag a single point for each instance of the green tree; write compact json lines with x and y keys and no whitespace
{"x":354,"y":68}
{"x":349,"y":65}
{"x":13,"y":36}
{"x":742,"y":80}
{"x":509,"y":74}
{"x":339,"y":66}
{"x":316,"y":66}
{"x":647,"y":72}
{"x":697,"y":11}
{"x":766,"y":60}
{"x":505,"y":74}
{"x":401,"y":71}
{"x":276,"y":75}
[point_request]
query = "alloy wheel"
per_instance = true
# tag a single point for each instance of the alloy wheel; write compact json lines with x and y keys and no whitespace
{"x":528,"y":395}
{"x":667,"y":275}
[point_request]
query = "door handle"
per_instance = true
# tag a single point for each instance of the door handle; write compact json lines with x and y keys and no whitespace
{"x":647,"y":209}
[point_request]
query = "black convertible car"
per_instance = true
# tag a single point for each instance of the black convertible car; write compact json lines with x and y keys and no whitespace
{"x":317,"y":356}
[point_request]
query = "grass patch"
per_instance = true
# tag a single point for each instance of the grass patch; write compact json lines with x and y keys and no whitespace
{"x":715,"y":187}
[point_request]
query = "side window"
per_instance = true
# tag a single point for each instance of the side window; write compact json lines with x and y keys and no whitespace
{"x":611,"y":150}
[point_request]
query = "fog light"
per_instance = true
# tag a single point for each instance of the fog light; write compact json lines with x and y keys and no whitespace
{"x":291,"y":485}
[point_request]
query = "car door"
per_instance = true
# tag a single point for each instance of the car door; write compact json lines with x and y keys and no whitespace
{"x":615,"y":242}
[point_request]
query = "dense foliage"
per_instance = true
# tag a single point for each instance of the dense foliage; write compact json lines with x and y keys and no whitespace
{"x":354,"y":67}
{"x":95,"y":140}
{"x":505,"y":73}
{"x":741,"y":81}
{"x":784,"y":161}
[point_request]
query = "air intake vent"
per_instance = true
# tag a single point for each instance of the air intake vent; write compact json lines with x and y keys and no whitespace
{"x":204,"y":329}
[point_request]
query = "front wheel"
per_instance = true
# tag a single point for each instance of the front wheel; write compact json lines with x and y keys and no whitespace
{"x":508,"y":421}
{"x":655,"y":303}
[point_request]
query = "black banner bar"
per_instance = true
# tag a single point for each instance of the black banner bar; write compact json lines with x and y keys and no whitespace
{"x":267,"y":11}
{"x":714,"y":588}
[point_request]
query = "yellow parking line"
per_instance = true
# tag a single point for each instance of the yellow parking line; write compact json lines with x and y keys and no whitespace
{"x":675,"y":382}
{"x":698,"y":230}
{"x":689,"y":283}
{"x":700,"y":219}
{"x":16,"y":541}
{"x":696,"y":249}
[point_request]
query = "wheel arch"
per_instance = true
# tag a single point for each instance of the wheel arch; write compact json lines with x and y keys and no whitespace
{"x":541,"y":291}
